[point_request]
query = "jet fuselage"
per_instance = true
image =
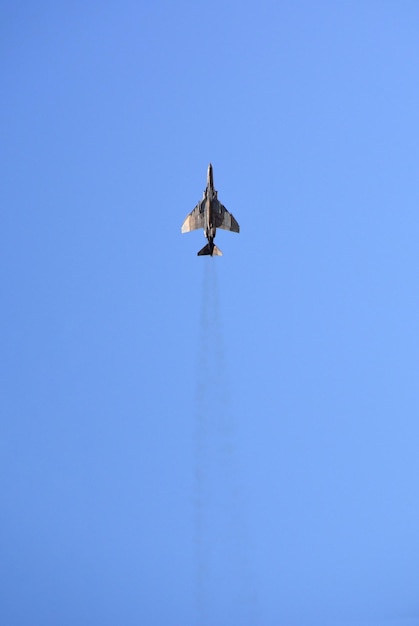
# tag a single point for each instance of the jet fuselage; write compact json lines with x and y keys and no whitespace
{"x":209,"y":196}
{"x":209,"y":214}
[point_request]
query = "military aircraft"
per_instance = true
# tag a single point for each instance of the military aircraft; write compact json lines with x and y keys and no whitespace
{"x":210,"y":214}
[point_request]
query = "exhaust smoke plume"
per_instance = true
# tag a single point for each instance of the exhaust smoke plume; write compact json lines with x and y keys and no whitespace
{"x":223,"y":569}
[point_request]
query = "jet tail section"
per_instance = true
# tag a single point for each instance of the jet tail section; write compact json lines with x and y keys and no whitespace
{"x":206,"y":250}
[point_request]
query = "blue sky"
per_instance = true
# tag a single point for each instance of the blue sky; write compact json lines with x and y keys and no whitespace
{"x":197,"y":441}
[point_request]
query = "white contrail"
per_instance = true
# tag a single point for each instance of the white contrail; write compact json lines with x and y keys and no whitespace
{"x":201,"y":453}
{"x":220,"y":531}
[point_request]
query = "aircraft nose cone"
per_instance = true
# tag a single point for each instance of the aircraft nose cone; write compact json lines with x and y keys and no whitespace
{"x":209,"y":175}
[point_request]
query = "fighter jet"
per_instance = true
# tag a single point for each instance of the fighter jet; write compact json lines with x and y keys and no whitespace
{"x":210,"y":214}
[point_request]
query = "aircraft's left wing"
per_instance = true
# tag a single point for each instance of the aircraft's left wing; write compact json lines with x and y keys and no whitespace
{"x":195,"y":219}
{"x":225,"y":220}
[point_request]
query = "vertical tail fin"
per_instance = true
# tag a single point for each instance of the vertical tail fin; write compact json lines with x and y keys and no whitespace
{"x":210,"y":250}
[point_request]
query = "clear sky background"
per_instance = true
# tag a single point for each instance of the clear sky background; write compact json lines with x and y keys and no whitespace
{"x":192,"y":441}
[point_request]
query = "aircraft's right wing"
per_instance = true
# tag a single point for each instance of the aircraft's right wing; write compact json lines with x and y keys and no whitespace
{"x":195,"y":219}
{"x":227,"y":221}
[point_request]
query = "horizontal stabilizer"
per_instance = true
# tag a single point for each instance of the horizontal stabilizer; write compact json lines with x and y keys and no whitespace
{"x":206,"y":250}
